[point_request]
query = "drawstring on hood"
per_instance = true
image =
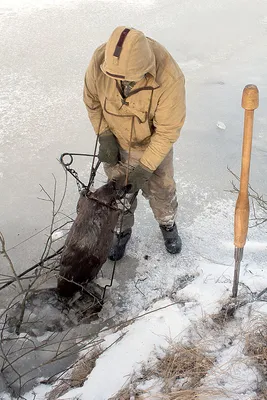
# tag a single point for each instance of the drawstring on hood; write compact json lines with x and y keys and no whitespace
{"x":128,"y":55}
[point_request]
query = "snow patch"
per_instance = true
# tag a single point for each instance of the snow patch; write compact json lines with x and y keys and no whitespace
{"x":221,"y":125}
{"x":38,"y":393}
{"x":57,"y":235}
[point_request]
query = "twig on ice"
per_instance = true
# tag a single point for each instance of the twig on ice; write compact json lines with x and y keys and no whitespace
{"x":4,"y":252}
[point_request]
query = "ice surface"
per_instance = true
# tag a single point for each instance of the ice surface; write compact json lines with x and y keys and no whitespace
{"x":43,"y":112}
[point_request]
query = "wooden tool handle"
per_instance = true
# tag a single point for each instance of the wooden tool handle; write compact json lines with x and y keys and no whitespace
{"x":250,"y":101}
{"x":250,"y":98}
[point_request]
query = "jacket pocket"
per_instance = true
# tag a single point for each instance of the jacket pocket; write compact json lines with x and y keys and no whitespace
{"x":128,"y":121}
{"x":124,"y":109}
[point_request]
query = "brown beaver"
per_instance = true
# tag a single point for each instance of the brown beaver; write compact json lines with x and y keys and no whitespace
{"x":89,"y":239}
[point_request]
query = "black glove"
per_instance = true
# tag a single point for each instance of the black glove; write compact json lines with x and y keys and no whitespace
{"x":138,"y":177}
{"x":108,"y":148}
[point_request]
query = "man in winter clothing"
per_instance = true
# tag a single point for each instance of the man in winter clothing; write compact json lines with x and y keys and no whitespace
{"x":135,"y":96}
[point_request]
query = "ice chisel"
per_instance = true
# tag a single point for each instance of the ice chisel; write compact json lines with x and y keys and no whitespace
{"x":250,"y":101}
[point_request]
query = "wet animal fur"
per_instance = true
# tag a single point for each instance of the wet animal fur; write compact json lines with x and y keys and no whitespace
{"x":89,"y":240}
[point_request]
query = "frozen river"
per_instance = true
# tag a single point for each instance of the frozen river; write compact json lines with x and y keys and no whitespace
{"x":45,"y":49}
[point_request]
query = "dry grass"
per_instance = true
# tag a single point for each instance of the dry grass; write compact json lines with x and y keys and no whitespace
{"x":256,"y":349}
{"x":196,"y":394}
{"x":262,"y":395}
{"x":129,"y":393}
{"x":83,"y":368}
{"x":179,"y":372}
{"x":256,"y":346}
{"x":58,"y":391}
{"x":78,"y":375}
{"x":183,"y":365}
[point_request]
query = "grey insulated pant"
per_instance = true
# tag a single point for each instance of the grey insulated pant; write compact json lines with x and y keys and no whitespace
{"x":160,"y":190}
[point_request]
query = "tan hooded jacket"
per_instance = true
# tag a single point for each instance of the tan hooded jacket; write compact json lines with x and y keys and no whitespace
{"x":151,"y":117}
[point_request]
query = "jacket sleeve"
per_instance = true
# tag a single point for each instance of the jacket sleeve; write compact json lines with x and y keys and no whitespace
{"x":91,"y":100}
{"x":168,"y":121}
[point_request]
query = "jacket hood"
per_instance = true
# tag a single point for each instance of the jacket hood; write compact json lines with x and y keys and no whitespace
{"x":128,"y":55}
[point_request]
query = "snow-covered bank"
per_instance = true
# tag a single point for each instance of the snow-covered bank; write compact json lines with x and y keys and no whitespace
{"x":185,"y":319}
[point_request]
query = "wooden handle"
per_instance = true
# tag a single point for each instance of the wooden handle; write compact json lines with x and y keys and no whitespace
{"x":250,"y":101}
{"x":250,"y":98}
{"x":241,"y":221}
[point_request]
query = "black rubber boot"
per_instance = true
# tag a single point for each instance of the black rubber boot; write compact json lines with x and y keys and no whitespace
{"x":119,"y":245}
{"x":172,"y":240}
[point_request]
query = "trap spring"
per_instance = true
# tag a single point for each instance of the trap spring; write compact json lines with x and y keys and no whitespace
{"x":66,"y":159}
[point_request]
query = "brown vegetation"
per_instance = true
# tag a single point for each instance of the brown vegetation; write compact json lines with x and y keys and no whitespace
{"x":256,"y":348}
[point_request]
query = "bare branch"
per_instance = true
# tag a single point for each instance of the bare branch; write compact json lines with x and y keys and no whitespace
{"x":5,"y":254}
